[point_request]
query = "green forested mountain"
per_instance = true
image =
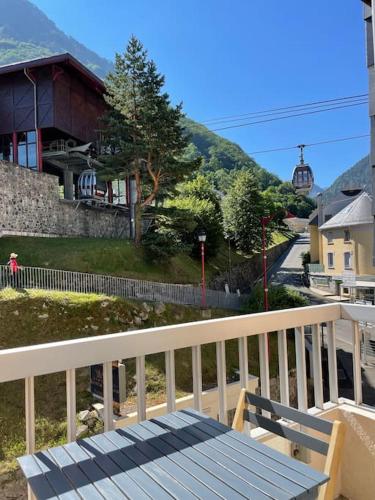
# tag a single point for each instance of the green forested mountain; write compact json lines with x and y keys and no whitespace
{"x":27,"y":33}
{"x":358,"y":176}
{"x":222,"y":158}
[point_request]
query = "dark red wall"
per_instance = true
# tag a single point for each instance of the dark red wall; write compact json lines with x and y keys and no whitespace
{"x":77,"y":107}
{"x":64,"y":102}
{"x":17,"y":101}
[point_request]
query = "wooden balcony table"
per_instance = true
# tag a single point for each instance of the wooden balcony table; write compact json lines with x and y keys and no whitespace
{"x":183,"y":454}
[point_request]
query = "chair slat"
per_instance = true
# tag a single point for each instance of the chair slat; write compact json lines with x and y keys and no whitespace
{"x":316,"y":423}
{"x":286,"y":432}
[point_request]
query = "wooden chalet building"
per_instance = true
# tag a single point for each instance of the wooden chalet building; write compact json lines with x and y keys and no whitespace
{"x":48,"y":108}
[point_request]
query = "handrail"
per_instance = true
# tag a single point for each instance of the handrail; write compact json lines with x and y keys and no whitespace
{"x":53,"y":357}
{"x":75,"y":281}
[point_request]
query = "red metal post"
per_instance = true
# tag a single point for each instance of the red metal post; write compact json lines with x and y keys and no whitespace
{"x":264,"y":255}
{"x":203,"y":277}
{"x":40,"y":149}
{"x":15,"y":147}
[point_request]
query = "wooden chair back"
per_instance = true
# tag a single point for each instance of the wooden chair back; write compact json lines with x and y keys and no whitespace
{"x":331,"y":449}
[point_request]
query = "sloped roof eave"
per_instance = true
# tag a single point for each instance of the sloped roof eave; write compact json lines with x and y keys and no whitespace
{"x":326,"y":227}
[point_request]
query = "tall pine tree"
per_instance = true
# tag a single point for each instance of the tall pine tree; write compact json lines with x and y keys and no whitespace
{"x":243,"y":209}
{"x":143,"y":130}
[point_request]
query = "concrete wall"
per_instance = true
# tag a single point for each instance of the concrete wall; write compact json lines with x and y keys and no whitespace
{"x":360,"y":245}
{"x":244,"y":275}
{"x":30,"y":204}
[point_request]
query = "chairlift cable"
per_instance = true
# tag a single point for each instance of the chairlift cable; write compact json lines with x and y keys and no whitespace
{"x":285,"y":117}
{"x":330,"y":141}
{"x":327,"y":101}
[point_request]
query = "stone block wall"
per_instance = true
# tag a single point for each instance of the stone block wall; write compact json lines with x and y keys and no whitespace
{"x":30,"y":204}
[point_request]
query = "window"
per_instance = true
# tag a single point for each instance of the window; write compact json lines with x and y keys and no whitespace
{"x":330,"y":260}
{"x":27,"y":149}
{"x":347,"y":235}
{"x":330,"y":238}
{"x":347,"y":260}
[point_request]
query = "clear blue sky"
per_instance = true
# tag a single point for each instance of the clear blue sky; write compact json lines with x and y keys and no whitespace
{"x":224,"y":57}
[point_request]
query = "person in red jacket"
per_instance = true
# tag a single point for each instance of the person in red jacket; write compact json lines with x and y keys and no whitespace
{"x":14,"y":269}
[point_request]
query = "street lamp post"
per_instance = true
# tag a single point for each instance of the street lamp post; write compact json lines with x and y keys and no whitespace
{"x":202,"y":239}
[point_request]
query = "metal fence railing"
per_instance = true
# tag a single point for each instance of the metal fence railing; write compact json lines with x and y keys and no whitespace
{"x":54,"y":279}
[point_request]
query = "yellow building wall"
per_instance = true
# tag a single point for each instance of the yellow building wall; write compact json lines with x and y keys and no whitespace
{"x":360,"y":246}
{"x":314,"y":243}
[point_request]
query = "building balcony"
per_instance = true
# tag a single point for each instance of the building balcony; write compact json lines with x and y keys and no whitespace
{"x":327,"y":343}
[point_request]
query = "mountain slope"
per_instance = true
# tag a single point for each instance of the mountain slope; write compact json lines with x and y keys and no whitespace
{"x":358,"y":176}
{"x":222,"y":157}
{"x":27,"y":33}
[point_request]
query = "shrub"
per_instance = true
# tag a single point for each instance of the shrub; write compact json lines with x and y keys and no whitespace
{"x":165,"y":239}
{"x":205,"y":215}
{"x":279,"y":297}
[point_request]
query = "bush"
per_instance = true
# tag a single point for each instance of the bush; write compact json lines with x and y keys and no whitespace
{"x":279,"y":297}
{"x":205,"y":215}
{"x":165,"y":239}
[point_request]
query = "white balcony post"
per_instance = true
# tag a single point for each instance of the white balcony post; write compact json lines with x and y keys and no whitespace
{"x":30,"y":414}
{"x":332,"y":363}
{"x":243,"y":362}
{"x":283,"y":366}
{"x":357,"y":376}
{"x":264,"y":365}
{"x":301,"y":368}
{"x":171,"y":381}
{"x":221,"y":381}
{"x":197,"y":376}
{"x":108,"y":396}
{"x":71,"y":407}
{"x":141,"y":388}
{"x":317,"y":367}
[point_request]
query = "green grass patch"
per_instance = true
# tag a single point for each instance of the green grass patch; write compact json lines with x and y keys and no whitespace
{"x":115,"y":257}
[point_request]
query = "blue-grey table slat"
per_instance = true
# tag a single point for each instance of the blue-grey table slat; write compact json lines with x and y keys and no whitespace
{"x":143,"y":480}
{"x":184,"y":455}
{"x":209,"y":461}
{"x":216,"y":484}
{"x":151,"y":467}
{"x":294,"y":465}
{"x":164,"y":456}
{"x":212,"y":437}
{"x":97,"y":476}
{"x":262,"y":488}
{"x":36,"y":479}
{"x":80,"y":482}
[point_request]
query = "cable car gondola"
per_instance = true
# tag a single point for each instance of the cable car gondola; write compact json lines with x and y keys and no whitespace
{"x":303,"y":177}
{"x":91,"y":188}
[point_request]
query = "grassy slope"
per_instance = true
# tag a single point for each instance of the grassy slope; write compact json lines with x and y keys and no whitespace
{"x":116,"y":257}
{"x":38,"y":316}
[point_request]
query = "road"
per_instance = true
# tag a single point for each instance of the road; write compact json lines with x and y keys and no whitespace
{"x":288,"y":271}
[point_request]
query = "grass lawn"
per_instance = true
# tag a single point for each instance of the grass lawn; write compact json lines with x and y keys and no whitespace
{"x":33,"y":317}
{"x":113,"y":257}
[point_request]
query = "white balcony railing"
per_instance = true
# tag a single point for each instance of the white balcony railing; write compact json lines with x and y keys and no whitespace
{"x":29,"y":362}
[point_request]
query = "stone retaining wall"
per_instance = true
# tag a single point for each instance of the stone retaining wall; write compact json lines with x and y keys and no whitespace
{"x":30,"y":204}
{"x":243,"y":276}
